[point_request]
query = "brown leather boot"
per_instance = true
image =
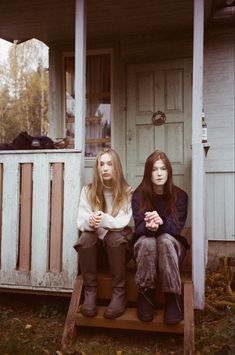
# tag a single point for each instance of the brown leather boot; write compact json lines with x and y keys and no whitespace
{"x":117,"y":263}
{"x":145,"y":304}
{"x":88,"y":264}
{"x":173,"y":312}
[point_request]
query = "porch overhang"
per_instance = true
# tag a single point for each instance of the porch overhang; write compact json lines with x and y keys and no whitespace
{"x":53,"y":22}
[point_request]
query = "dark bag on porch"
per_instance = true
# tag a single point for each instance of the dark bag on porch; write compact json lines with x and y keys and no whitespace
{"x":26,"y":142}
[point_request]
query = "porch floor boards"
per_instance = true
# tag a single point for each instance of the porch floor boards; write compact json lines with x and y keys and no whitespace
{"x":129,"y":320}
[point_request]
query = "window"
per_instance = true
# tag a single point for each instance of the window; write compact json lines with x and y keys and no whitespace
{"x":69,"y":100}
{"x":98,"y":102}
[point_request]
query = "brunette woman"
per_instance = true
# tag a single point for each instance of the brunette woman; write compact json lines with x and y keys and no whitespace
{"x":160,"y":211}
{"x":104,"y":211}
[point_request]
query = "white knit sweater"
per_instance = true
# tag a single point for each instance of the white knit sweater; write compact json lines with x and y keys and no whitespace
{"x":108,"y":222}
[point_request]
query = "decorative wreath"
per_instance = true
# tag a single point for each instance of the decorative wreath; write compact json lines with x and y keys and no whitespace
{"x":158,"y":118}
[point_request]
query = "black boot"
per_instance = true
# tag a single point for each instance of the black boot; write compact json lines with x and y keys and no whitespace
{"x":117,"y":263}
{"x":145,"y":304}
{"x":87,"y":260}
{"x":173,"y":312}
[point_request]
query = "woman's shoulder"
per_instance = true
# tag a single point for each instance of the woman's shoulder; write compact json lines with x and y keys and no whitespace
{"x":85,"y":189}
{"x":135,"y":193}
{"x":180,"y":192}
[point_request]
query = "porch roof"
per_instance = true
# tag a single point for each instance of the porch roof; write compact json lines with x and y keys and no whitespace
{"x":54,"y":21}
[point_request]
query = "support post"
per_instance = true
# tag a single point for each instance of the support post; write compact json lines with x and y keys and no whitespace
{"x":80,"y":72}
{"x":198,"y":203}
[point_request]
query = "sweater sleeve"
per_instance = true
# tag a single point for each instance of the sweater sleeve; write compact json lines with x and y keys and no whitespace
{"x":140,"y":228}
{"x":84,"y":212}
{"x":169,"y":225}
{"x":118,"y":222}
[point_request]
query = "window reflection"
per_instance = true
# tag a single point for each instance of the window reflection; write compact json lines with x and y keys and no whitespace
{"x":98,"y":102}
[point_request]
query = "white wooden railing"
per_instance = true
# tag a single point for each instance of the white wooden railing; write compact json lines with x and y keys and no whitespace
{"x":39,"y":192}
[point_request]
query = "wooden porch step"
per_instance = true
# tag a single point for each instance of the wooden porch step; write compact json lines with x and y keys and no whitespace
{"x":129,"y":320}
{"x":105,"y":286}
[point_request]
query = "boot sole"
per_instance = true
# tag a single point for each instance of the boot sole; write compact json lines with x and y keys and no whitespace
{"x":150,"y":319}
{"x":89,"y":314}
{"x":173,"y":321}
{"x":113,"y":316}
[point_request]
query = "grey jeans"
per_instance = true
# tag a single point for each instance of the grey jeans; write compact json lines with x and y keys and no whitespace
{"x":158,"y":261}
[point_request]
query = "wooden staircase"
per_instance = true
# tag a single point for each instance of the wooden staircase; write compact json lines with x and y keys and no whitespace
{"x":129,"y":319}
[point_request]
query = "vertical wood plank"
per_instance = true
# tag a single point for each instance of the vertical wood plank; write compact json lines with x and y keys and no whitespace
{"x":70,"y":330}
{"x":1,"y":183}
{"x":229,"y":206}
{"x":210,"y":206}
{"x":56,"y":217}
{"x":219,"y":206}
{"x":40,"y":219}
{"x":187,"y":262}
{"x":25,"y":217}
{"x":72,"y":186}
{"x":10,"y":216}
{"x":189,"y":337}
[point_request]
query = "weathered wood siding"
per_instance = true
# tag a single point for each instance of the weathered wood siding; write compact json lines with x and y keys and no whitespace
{"x":220,"y":206}
{"x":38,"y":203}
{"x":219,"y":84}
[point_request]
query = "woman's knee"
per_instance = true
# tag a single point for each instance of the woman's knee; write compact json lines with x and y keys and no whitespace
{"x":86,"y":240}
{"x":114,"y":239}
{"x":145,"y":244}
{"x":165,"y":241}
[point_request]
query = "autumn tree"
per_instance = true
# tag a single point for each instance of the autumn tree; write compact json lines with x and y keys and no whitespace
{"x":24,"y":92}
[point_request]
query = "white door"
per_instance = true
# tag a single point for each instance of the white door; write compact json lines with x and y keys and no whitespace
{"x":166,"y":87}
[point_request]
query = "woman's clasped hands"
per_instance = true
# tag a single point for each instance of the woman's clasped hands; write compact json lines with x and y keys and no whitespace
{"x":95,"y":219}
{"x":152,"y":220}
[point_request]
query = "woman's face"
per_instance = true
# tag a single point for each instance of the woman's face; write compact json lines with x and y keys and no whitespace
{"x":106,"y":167}
{"x":159,"y":175}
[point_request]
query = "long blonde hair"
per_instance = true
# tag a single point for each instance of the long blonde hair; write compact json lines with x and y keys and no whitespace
{"x":120,"y":189}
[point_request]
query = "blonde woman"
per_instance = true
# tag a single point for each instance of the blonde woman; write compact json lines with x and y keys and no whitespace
{"x":104,"y":211}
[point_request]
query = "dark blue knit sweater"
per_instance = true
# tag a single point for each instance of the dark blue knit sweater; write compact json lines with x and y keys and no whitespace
{"x":169,"y":225}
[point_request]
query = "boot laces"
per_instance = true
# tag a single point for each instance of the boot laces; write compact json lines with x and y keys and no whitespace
{"x":143,"y":292}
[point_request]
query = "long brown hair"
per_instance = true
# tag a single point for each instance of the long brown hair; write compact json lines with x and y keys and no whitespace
{"x":120,"y":189}
{"x":146,"y":187}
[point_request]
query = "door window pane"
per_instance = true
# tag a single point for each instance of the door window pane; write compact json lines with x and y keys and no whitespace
{"x":69,"y":100}
{"x":98,"y":103}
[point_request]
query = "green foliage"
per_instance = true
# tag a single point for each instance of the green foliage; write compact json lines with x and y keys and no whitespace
{"x":23,"y":92}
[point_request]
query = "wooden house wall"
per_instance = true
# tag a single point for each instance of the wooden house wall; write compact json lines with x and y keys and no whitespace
{"x":219,"y":100}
